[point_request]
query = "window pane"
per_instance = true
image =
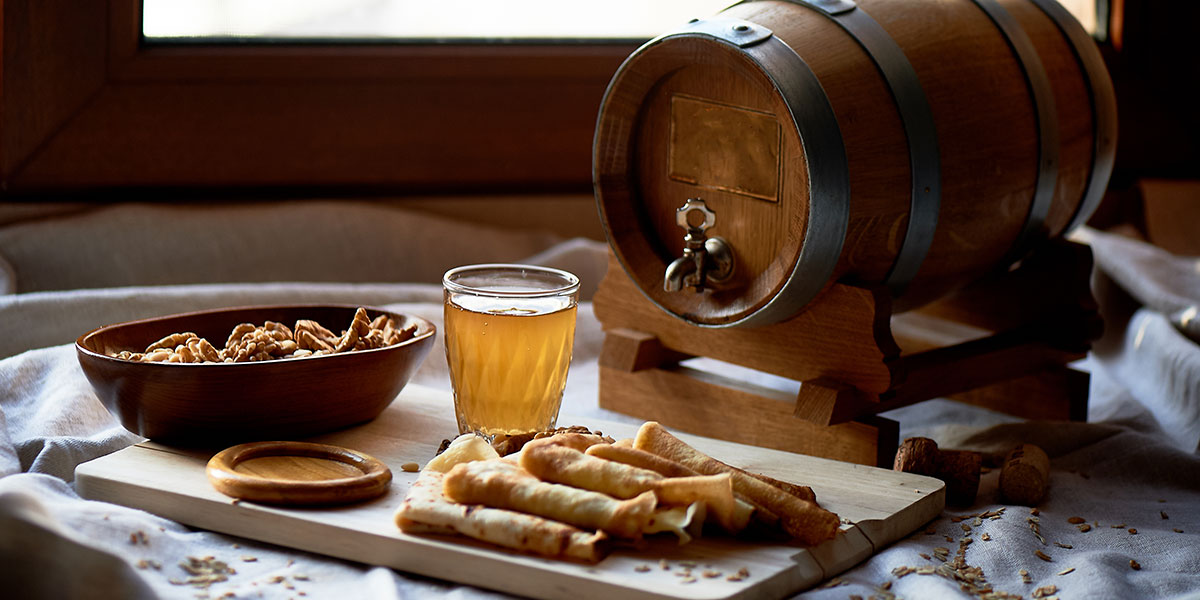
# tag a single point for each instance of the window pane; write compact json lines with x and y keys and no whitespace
{"x":389,"y":20}
{"x":479,"y":20}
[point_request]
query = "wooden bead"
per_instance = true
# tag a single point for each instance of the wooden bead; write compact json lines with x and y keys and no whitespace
{"x":1025,"y":475}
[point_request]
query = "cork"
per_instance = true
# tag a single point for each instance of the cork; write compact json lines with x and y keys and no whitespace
{"x":917,"y":455}
{"x":959,"y":469}
{"x":1025,"y":475}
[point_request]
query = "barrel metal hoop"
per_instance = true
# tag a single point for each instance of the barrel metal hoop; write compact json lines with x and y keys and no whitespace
{"x":1104,"y":107}
{"x":919,"y":127}
{"x":828,"y":174}
{"x":742,"y":34}
{"x":1047,"y":122}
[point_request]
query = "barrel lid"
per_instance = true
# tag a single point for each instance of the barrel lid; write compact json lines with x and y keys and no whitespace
{"x":734,"y":120}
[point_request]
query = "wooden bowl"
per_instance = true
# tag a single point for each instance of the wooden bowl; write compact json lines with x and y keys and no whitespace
{"x":220,"y":403}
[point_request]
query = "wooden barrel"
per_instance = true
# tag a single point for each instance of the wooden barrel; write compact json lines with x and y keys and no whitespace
{"x":917,"y":144}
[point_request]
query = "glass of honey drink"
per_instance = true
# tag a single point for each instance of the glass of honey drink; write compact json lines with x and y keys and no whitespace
{"x":509,"y":331}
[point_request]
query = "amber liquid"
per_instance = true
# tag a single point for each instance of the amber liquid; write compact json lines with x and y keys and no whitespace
{"x":508,"y":365}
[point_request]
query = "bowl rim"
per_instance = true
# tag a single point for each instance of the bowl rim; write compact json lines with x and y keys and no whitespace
{"x":425,"y":329}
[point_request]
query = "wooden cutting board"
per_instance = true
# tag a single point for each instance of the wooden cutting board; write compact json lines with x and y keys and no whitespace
{"x":877,"y":506}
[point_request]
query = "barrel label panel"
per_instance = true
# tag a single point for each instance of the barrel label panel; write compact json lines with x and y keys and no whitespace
{"x":724,"y":147}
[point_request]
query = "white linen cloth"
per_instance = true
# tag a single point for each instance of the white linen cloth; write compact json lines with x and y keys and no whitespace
{"x":1117,"y":469}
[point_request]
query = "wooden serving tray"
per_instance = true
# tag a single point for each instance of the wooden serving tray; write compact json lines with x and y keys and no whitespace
{"x":881,"y":506}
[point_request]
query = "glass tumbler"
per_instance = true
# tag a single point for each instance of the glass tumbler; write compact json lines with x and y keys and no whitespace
{"x":509,"y":332}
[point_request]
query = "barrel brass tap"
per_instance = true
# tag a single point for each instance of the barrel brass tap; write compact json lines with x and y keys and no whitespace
{"x":705,"y":260}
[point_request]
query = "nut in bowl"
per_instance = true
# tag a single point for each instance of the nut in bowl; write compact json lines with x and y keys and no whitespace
{"x":213,"y":380}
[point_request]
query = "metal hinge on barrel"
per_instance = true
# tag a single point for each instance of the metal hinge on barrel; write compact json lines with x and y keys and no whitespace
{"x":705,"y":260}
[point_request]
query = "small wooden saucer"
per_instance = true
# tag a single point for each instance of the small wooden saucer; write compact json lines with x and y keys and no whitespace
{"x":297,"y":473}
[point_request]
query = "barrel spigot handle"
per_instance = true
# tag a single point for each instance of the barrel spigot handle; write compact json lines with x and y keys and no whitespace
{"x":705,"y":260}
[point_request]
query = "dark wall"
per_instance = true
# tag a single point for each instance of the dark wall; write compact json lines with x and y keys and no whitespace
{"x":1154,"y":57}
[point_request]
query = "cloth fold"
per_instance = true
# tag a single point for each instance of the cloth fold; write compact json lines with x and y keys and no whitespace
{"x":1119,"y":472}
{"x":1151,"y":345}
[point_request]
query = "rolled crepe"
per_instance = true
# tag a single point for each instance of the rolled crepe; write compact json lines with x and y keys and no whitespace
{"x":568,"y":466}
{"x":426,"y":510}
{"x":502,"y":484}
{"x":802,"y":519}
{"x":666,"y":467}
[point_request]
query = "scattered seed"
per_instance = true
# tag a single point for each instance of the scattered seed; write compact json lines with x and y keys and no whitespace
{"x":1045,"y":591}
{"x":642,"y":568}
{"x":205,"y":571}
{"x":924,"y":556}
{"x":709,"y":574}
{"x":1163,"y":514}
{"x":1085,"y":528}
{"x":1120,"y":526}
{"x":966,"y":528}
{"x":1075,"y":520}
{"x":1062,"y":545}
{"x":1162,"y":500}
{"x":1042,"y":555}
{"x":688,"y":579}
{"x":949,"y":539}
{"x":410,"y":467}
{"x":1135,"y":565}
{"x":832,"y":583}
{"x":902,"y":571}
{"x":1132,"y":531}
{"x":1034,"y":511}
{"x":1177,"y":530}
{"x":662,"y":564}
{"x":985,"y":537}
{"x":1067,"y":571}
{"x":300,"y":577}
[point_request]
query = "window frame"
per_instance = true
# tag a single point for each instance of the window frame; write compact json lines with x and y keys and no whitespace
{"x":85,"y":104}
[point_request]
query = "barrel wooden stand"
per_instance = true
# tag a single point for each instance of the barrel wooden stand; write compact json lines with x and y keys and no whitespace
{"x":1004,"y":342}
